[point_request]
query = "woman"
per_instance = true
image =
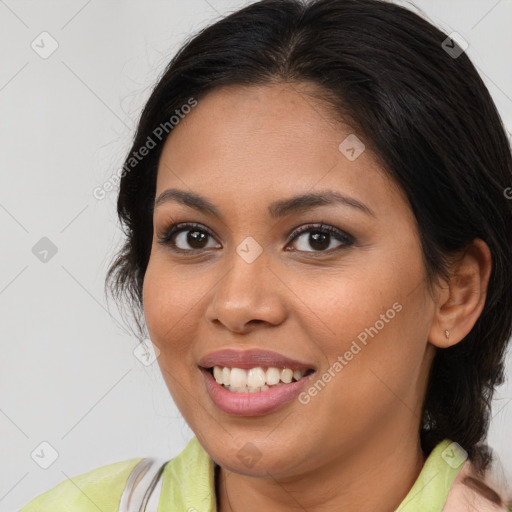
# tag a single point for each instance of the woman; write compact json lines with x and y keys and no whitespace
{"x":320,"y":251}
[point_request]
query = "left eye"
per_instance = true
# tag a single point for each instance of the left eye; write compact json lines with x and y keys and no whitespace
{"x":320,"y":237}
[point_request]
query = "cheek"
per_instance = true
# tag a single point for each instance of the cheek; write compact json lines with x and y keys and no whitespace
{"x":172,"y":304}
{"x":155,"y":301}
{"x":162,"y":320}
{"x":165,"y":295}
{"x":375,"y":319}
{"x":344,"y":303}
{"x":161,"y":306}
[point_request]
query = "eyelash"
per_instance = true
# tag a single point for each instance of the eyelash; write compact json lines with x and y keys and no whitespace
{"x":346,"y":239}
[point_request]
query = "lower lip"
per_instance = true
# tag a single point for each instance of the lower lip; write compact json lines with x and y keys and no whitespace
{"x":252,"y":404}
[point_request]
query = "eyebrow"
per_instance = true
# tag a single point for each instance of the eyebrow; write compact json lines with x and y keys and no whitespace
{"x":276,"y":209}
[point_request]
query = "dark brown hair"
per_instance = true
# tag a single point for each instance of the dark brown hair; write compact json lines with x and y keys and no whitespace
{"x":423,"y":111}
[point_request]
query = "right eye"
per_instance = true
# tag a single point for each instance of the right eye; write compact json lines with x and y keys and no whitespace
{"x":187,"y":233}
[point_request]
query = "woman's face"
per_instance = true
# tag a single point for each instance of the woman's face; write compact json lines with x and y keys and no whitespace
{"x":353,"y":307}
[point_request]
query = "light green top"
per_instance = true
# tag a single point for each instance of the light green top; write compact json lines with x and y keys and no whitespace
{"x":189,"y":484}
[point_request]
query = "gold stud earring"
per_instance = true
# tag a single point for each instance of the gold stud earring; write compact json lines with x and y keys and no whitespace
{"x":447,"y":334}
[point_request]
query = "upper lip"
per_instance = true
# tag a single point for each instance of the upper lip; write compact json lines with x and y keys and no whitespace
{"x":251,"y":358}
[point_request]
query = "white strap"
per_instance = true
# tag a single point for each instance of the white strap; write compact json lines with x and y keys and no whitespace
{"x":140,"y":486}
{"x":154,"y":499}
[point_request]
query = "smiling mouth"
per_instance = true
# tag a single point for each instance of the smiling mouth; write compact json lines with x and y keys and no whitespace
{"x":257,"y":379}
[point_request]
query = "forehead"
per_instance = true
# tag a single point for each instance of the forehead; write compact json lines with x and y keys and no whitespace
{"x":267,"y":140}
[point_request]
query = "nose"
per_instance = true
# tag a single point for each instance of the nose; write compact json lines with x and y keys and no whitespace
{"x":249,"y":294}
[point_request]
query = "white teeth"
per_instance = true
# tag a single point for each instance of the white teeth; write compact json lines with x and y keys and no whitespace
{"x":238,"y":378}
{"x":226,"y":376}
{"x":217,"y":373}
{"x":273,"y":376}
{"x":286,"y":375}
{"x":298,"y":374}
{"x":256,"y":379}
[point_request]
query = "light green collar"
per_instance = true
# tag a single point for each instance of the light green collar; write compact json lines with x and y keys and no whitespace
{"x":430,"y":491}
{"x":189,"y":481}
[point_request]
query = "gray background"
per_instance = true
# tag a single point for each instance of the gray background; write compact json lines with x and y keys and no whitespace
{"x":68,"y":374}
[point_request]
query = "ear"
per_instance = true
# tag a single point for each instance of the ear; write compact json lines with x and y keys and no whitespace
{"x":461,"y":299}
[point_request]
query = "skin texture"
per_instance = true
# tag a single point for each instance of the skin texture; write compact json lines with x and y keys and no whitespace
{"x":243,"y":148}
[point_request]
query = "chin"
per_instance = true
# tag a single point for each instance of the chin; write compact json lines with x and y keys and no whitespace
{"x":257,"y":459}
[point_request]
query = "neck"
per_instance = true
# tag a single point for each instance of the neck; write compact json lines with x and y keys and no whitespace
{"x":375,"y":476}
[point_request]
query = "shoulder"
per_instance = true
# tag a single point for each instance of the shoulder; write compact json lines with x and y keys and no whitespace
{"x":485,"y":493}
{"x":98,"y":489}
